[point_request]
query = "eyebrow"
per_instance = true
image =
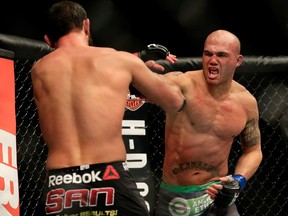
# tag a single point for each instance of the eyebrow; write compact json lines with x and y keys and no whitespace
{"x":220,"y":53}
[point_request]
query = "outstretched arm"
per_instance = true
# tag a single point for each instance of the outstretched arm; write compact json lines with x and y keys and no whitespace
{"x":157,"y":88}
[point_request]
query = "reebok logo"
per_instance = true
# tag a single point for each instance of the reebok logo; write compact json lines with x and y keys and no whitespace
{"x":110,"y":173}
{"x":75,"y":178}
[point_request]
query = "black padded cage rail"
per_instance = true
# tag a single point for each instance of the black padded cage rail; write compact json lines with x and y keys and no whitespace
{"x":266,"y":77}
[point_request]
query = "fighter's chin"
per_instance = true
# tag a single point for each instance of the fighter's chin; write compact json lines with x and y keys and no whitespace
{"x":212,"y":80}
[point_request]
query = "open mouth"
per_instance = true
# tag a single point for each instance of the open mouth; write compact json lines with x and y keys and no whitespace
{"x":213,"y":73}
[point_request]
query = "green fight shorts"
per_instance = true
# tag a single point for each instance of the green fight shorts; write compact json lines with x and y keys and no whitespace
{"x":189,"y":201}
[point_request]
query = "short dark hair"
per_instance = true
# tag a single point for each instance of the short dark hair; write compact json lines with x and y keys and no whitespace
{"x":62,"y":17}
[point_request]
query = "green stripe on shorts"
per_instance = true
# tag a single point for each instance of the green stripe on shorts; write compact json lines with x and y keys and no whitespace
{"x":187,"y":189}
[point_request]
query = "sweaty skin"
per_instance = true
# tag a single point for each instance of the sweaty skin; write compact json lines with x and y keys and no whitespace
{"x":198,"y":140}
{"x":81,"y":92}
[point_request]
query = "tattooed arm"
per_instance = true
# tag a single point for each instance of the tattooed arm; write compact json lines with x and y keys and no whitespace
{"x":250,"y":139}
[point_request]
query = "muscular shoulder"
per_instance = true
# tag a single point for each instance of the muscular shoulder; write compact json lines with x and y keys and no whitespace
{"x":41,"y":64}
{"x":247,"y":100}
{"x":241,"y":90}
{"x":179,"y":75}
{"x":188,"y":78}
{"x":174,"y":74}
{"x":123,"y":58}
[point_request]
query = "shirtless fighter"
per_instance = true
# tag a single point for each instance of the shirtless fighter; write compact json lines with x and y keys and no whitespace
{"x":199,"y":139}
{"x":80,"y":92}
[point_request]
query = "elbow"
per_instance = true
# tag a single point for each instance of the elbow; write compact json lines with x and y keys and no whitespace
{"x":183,"y":105}
{"x":176,"y":105}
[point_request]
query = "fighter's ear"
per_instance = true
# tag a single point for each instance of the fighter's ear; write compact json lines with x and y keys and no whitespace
{"x":239,"y":60}
{"x":48,"y":41}
{"x":86,"y":26}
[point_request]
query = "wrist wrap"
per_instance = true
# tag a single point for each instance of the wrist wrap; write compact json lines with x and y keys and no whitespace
{"x":241,"y":180}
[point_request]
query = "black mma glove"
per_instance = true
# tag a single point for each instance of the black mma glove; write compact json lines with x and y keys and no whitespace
{"x":231,"y":189}
{"x":153,"y":52}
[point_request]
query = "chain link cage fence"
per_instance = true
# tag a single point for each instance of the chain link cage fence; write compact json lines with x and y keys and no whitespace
{"x":266,"y":192}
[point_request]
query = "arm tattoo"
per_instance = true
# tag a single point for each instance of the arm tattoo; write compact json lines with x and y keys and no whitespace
{"x":199,"y":165}
{"x":177,"y":73}
{"x":249,"y":136}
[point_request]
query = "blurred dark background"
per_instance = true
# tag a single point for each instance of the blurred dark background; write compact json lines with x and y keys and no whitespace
{"x":181,"y":25}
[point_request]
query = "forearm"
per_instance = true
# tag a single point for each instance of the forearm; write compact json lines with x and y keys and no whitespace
{"x":248,"y":164}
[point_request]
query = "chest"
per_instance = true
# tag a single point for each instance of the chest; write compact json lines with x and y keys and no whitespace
{"x":223,"y":118}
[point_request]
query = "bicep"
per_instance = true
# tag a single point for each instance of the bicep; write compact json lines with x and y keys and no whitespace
{"x":150,"y":84}
{"x":251,"y":136}
{"x":145,"y":80}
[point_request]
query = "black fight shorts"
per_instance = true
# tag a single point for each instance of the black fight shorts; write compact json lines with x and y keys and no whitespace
{"x":98,"y":189}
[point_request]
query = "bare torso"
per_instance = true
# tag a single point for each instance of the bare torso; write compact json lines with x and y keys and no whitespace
{"x":81,"y":111}
{"x":198,"y":140}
